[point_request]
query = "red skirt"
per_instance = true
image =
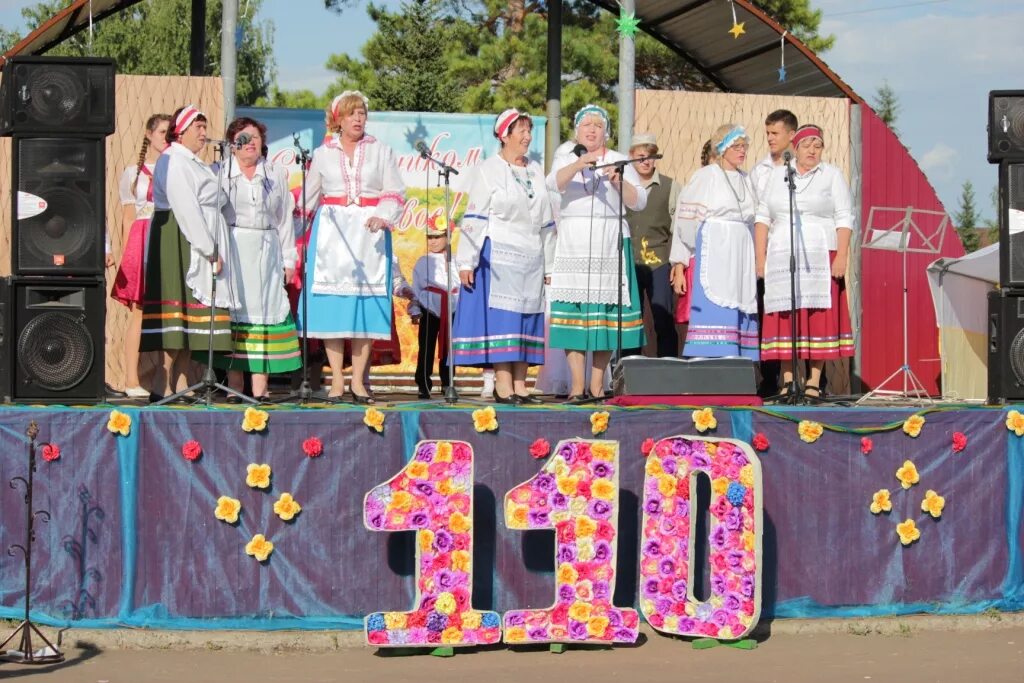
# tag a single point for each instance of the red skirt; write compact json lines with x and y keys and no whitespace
{"x":683,"y":302}
{"x":821,"y":333}
{"x":130,"y":279}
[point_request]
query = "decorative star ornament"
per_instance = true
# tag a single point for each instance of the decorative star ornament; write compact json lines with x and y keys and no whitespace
{"x":782,"y":74}
{"x":737,"y":29}
{"x":627,"y":24}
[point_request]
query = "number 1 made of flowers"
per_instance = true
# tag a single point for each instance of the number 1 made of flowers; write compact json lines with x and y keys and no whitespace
{"x":433,"y":496}
{"x":577,"y":495}
{"x":667,"y":538}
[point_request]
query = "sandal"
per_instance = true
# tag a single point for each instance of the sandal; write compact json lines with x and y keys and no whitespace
{"x":809,"y":388}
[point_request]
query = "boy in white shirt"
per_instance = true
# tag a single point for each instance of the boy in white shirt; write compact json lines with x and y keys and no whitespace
{"x":429,"y":282}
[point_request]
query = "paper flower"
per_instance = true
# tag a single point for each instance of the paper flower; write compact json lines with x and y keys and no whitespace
{"x":257,"y":476}
{"x":760,"y":442}
{"x":287,"y":507}
{"x":933,"y":504}
{"x":312,"y":447}
{"x":959,"y":441}
{"x":485,"y":420}
{"x":908,"y":475}
{"x":374,"y":419}
{"x":227,"y":509}
{"x":810,"y":431}
{"x":50,"y":452}
{"x":704,"y":419}
{"x":1014,"y":422}
{"x":881,"y":502}
{"x":647,"y":446}
{"x":254,"y":420}
{"x":191,"y":450}
{"x":908,"y":532}
{"x":866,"y":445}
{"x":912,"y":425}
{"x":599,"y":422}
{"x":119,"y":423}
{"x":540,"y":448}
{"x":259,"y":547}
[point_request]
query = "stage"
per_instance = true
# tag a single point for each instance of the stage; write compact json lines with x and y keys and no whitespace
{"x":133,"y":540}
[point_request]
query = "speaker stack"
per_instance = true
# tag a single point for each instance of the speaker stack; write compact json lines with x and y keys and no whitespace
{"x":58,"y":112}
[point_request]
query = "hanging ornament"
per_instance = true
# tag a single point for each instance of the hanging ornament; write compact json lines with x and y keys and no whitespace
{"x":627,"y":24}
{"x":737,"y":29}
{"x":782,"y":56}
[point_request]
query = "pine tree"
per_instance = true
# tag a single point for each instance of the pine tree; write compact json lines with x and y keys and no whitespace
{"x":887,"y":105}
{"x":966,"y":219}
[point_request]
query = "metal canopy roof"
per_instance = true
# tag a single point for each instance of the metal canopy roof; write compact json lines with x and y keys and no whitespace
{"x":64,"y":24}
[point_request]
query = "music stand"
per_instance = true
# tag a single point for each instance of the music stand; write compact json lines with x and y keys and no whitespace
{"x":899,"y":237}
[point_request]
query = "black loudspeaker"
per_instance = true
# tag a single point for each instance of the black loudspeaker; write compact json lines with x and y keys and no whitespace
{"x":1011,"y":224}
{"x":56,"y":340}
{"x":5,"y":339}
{"x":59,"y":212}
{"x":1005,"y":346}
{"x":640,"y":376}
{"x":41,"y":95}
{"x":1005,"y":125}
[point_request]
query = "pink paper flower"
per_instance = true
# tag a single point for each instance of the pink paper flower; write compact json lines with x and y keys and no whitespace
{"x":959,"y":441}
{"x":760,"y":442}
{"x":313,"y":447}
{"x":51,"y":452}
{"x":191,"y":450}
{"x":540,"y":448}
{"x":866,"y":445}
{"x":647,"y":446}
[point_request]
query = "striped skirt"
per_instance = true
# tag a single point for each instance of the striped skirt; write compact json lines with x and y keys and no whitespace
{"x":172,"y":318}
{"x":269,"y":349}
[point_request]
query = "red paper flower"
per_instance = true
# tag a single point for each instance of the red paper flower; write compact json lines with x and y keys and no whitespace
{"x":760,"y":442}
{"x":959,"y":441}
{"x":647,"y":446}
{"x":51,"y":452}
{"x":540,"y":448}
{"x":312,"y":447}
{"x":866,"y":445}
{"x":191,"y":450}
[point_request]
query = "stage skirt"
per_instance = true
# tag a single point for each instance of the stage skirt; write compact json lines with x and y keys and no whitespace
{"x":822,"y":333}
{"x":172,"y":318}
{"x":130,"y":278}
{"x":593,"y":327}
{"x":270,"y":349}
{"x":345,"y":316}
{"x":483,"y":336}
{"x":716,"y":331}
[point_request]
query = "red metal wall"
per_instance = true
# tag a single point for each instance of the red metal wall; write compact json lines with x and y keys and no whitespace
{"x":891,"y":178}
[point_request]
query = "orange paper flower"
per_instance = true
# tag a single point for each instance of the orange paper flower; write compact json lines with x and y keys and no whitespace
{"x":257,"y":476}
{"x":1014,"y":422}
{"x":907,"y":474}
{"x":810,"y":431}
{"x":254,"y":420}
{"x":485,"y":420}
{"x":908,"y":532}
{"x":374,"y":419}
{"x":119,"y":423}
{"x":912,"y":425}
{"x":599,"y":422}
{"x":881,"y":502}
{"x":259,"y":547}
{"x":704,"y":419}
{"x":227,"y":509}
{"x":287,"y":507}
{"x":933,"y":504}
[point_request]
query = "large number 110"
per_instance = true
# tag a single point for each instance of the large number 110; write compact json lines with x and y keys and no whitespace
{"x":576,"y":493}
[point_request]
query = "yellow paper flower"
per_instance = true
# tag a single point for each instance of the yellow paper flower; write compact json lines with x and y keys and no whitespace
{"x":667,"y":485}
{"x":374,"y":419}
{"x":907,"y":474}
{"x":908,"y":532}
{"x":810,"y":431}
{"x":515,"y":634}
{"x":471,"y":619}
{"x":704,"y":419}
{"x":719,"y":486}
{"x":912,"y":425}
{"x":259,"y":547}
{"x":933,"y":503}
{"x":227,"y":509}
{"x":257,"y":476}
{"x":585,"y":526}
{"x":287,"y":507}
{"x":881,"y":502}
{"x":461,"y":561}
{"x":395,"y":620}
{"x":596,"y":626}
{"x":567,"y":573}
{"x":401,"y":501}
{"x":653,"y":466}
{"x":451,"y":635}
{"x":443,"y":453}
{"x":747,"y":475}
{"x":603,"y":450}
{"x":424,"y":539}
{"x":446,"y":603}
{"x":1014,"y":422}
{"x":254,"y":420}
{"x":417,"y":470}
{"x":119,"y":423}
{"x":580,"y":611}
{"x":459,"y":523}
{"x":603,"y":489}
{"x":599,"y":422}
{"x":485,"y":420}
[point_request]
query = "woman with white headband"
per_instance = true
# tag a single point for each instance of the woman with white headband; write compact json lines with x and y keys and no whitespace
{"x":505,"y":256}
{"x":354,"y":185}
{"x":824,"y":225}
{"x":585,"y":278}
{"x":188,"y":247}
{"x":712,"y":231}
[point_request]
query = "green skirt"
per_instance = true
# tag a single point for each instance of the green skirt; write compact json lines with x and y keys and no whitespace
{"x":172,"y":318}
{"x":594,"y":327}
{"x":269,"y":349}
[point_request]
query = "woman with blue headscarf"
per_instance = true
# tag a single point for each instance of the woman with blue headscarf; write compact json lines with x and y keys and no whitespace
{"x":585,"y":287}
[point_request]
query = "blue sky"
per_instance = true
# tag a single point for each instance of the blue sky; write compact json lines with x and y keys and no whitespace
{"x":942,"y":57}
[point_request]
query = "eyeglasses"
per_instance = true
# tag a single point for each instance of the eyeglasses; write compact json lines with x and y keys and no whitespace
{"x":739,"y":146}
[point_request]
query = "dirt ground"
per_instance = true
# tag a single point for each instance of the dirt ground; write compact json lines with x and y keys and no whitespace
{"x":989,"y":656}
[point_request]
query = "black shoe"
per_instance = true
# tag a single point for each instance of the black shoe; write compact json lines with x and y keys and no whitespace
{"x":233,"y":400}
{"x":423,"y":394}
{"x":529,"y":399}
{"x":112,"y":392}
{"x":360,"y":400}
{"x":510,"y":400}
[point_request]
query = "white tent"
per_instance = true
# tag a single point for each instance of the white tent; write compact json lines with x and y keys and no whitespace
{"x":960,"y":289}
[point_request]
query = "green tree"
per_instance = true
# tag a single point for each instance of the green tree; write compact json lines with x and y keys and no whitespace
{"x":967,"y":219}
{"x":148,"y":39}
{"x":887,"y":105}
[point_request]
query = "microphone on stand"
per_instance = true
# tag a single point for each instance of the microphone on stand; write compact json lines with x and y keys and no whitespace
{"x":579,"y":150}
{"x":242,"y":140}
{"x":787,"y":156}
{"x":422,"y":148}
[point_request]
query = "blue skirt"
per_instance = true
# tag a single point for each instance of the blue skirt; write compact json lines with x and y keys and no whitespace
{"x":714,"y":330}
{"x":344,"y":316}
{"x":483,"y":336}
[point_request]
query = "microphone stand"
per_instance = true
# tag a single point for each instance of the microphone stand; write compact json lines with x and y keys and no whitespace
{"x":795,"y":392}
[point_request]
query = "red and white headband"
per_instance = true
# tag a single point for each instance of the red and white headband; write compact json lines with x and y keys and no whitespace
{"x":349,"y":93}
{"x":185,"y":118}
{"x":808,"y":131}
{"x":505,"y":121}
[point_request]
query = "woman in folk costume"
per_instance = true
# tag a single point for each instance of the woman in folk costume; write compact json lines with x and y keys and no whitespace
{"x":136,"y":192}
{"x":259,"y":213}
{"x":824,"y":225}
{"x":713,"y":224}
{"x":355,"y":180}
{"x":504,"y":258}
{"x":585,"y":279}
{"x":188,"y":248}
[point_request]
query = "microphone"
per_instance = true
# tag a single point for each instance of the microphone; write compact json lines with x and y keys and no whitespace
{"x":787,"y":156}
{"x":579,"y":150}
{"x":422,"y":148}
{"x":242,"y":140}
{"x":652,"y":157}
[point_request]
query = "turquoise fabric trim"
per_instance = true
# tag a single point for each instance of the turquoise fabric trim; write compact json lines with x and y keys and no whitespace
{"x":1013,"y":585}
{"x":127,"y":462}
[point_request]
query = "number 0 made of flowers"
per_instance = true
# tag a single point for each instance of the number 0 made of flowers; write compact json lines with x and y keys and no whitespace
{"x":576,"y":494}
{"x":433,"y":496}
{"x":667,"y":542}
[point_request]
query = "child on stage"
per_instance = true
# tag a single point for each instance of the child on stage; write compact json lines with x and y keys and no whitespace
{"x":429,"y":282}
